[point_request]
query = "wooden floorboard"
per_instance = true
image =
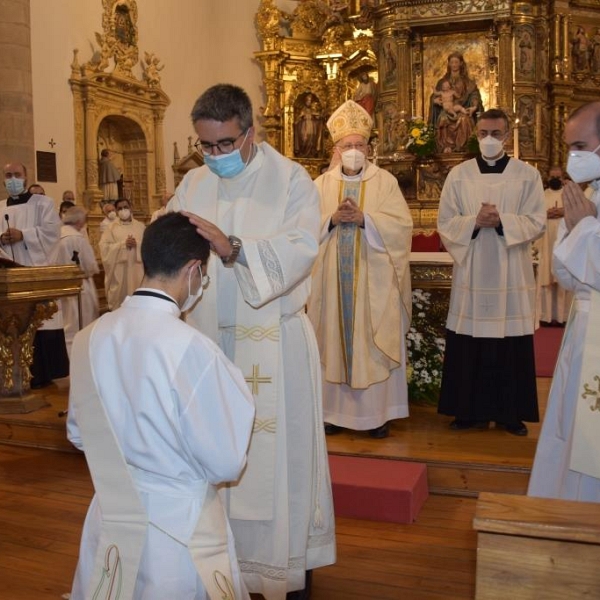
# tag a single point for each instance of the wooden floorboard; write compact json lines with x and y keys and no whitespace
{"x":44,"y":497}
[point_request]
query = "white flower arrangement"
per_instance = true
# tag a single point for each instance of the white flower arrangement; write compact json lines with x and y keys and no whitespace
{"x":425,"y":349}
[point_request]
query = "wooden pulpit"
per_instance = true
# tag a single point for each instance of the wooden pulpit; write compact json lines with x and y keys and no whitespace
{"x":28,"y":297}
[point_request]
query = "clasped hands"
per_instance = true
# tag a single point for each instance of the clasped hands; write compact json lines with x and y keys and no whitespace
{"x":130,"y":242}
{"x":11,"y":236}
{"x":488,"y":216}
{"x":576,"y":205}
{"x":348,"y":212}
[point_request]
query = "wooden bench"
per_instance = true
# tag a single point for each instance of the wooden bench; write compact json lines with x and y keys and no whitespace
{"x":536,"y":548}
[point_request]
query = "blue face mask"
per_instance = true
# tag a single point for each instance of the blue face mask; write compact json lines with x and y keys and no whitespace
{"x":14,"y":186}
{"x":227,"y":165}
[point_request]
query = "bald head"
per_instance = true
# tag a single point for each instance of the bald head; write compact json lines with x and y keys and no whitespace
{"x":582,"y":130}
{"x":15,"y":169}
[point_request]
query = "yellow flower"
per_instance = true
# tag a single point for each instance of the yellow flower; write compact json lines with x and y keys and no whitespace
{"x":415,"y":132}
{"x":420,"y":142}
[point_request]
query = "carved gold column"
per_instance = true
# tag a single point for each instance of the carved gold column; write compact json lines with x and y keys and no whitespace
{"x":159,"y":165}
{"x":79,"y":141}
{"x":91,"y":149}
{"x":404,"y":82}
{"x":505,"y":71}
{"x":272,"y":119}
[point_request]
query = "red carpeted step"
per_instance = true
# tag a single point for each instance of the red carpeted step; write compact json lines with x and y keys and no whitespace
{"x":546,"y":343}
{"x":378,"y":489}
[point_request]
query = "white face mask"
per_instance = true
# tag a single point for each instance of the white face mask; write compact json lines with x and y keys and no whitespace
{"x":353,"y":160}
{"x":111,"y":216}
{"x":583,"y":165}
{"x":193,"y":298}
{"x":490,"y":147}
{"x":124,"y":214}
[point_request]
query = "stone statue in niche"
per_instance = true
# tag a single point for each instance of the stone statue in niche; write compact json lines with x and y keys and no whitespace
{"x":526,"y":52}
{"x":596,"y":51}
{"x":390,"y":64}
{"x":580,"y":50}
{"x":308,"y":126}
{"x":366,"y":92}
{"x":453,"y":128}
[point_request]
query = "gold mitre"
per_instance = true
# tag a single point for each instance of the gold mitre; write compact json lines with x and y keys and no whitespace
{"x":349,"y":118}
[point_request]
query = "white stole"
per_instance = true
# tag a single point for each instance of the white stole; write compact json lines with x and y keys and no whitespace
{"x":585,"y":449}
{"x":124,"y":518}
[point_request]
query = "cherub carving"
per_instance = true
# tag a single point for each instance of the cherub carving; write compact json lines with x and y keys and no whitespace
{"x":151,"y":69}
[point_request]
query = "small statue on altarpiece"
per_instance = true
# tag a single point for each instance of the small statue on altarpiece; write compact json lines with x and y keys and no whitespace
{"x":308,"y":127}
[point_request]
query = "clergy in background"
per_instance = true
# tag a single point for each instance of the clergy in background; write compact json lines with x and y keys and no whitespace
{"x":491,"y":209}
{"x":120,"y":253}
{"x":163,"y":417}
{"x":360,"y":304}
{"x":553,"y":300}
{"x":260,"y":212}
{"x":74,"y":248}
{"x":30,"y":230}
{"x":567,"y":460}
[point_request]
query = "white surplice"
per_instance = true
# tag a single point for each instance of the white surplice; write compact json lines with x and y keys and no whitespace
{"x":122,"y":266}
{"x":281,"y":511}
{"x":493,"y":286}
{"x":40,"y":223}
{"x":182,"y":416}
{"x":553,"y":301}
{"x":577,"y":268}
{"x":377,"y":391}
{"x":72,"y":240}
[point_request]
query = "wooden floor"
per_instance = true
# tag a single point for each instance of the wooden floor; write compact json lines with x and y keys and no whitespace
{"x":44,"y":495}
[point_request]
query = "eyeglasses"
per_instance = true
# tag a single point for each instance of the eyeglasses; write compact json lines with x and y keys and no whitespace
{"x":226,"y":146}
{"x":358,"y":146}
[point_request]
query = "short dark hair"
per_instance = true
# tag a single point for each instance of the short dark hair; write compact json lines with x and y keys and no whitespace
{"x":223,"y":102}
{"x":104,"y":152}
{"x":169,"y":243}
{"x":122,"y":200}
{"x":65,"y":205}
{"x":495,"y":113}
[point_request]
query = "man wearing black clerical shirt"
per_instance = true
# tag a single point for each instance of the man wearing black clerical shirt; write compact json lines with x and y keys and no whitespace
{"x":30,"y":231}
{"x":491,"y":209}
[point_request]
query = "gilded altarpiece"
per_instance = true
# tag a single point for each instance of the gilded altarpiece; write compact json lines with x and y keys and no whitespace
{"x":122,"y":111}
{"x":535,"y":59}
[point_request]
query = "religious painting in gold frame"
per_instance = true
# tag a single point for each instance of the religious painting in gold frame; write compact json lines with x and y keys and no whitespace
{"x":435,"y":51}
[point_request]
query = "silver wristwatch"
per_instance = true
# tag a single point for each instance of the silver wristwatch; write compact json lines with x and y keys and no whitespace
{"x":236,"y":246}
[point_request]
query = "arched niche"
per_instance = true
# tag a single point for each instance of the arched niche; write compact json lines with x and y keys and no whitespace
{"x":117,"y":110}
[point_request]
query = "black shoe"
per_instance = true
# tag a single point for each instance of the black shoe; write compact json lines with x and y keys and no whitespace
{"x":305,"y":593}
{"x":38,"y":385}
{"x":460,"y":424}
{"x":380,"y":432}
{"x":518,"y":428}
{"x":331,"y":429}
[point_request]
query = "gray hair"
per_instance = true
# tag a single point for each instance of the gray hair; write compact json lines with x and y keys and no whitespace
{"x":223,"y":102}
{"x":75,"y":214}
